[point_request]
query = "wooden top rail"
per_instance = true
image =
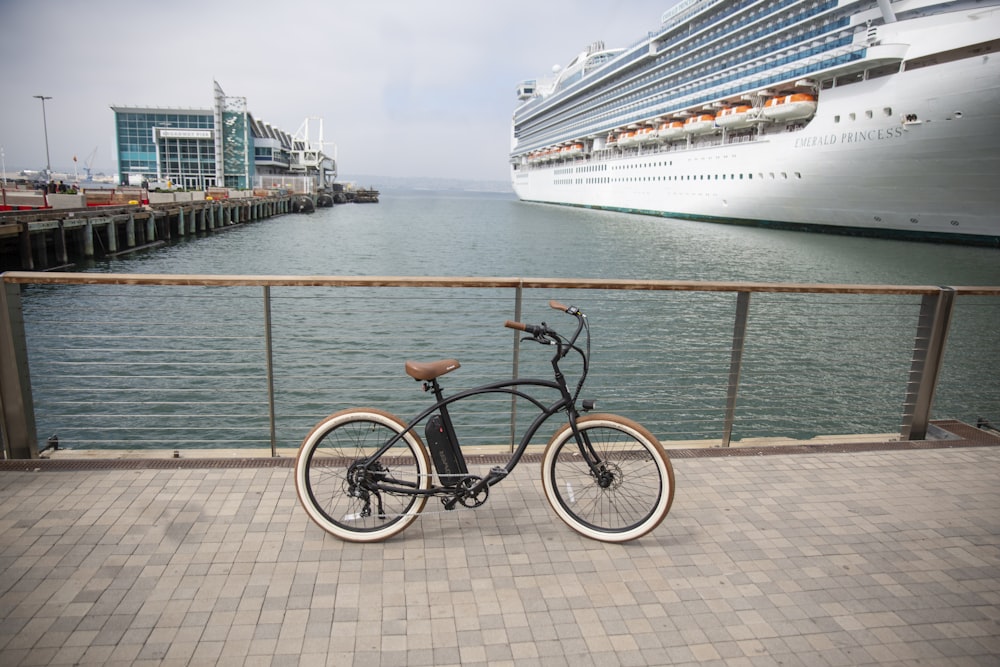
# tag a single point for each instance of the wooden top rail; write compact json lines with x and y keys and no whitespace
{"x":52,"y":278}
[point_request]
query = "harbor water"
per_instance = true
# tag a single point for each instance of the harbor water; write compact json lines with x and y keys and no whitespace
{"x":431,"y":233}
{"x":413,"y":233}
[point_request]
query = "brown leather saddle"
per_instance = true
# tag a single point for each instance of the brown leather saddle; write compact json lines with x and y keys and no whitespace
{"x":431,"y":369}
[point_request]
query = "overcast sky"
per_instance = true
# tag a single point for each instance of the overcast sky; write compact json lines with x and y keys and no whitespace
{"x":405,"y":88}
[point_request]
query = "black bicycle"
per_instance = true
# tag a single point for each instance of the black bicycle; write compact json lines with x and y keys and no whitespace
{"x":364,"y":475}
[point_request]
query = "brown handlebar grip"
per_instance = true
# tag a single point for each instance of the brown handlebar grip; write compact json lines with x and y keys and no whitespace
{"x":555,"y":305}
{"x":514,"y":325}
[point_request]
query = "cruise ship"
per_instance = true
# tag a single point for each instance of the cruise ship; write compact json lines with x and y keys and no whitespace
{"x":865,"y":117}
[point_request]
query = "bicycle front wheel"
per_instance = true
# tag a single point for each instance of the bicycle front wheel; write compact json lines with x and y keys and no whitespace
{"x":628,"y":498}
{"x":351,"y":498}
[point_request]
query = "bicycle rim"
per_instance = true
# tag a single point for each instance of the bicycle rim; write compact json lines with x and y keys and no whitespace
{"x":338,"y":494}
{"x":633,"y":500}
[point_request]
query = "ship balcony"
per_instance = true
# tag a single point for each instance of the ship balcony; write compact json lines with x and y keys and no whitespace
{"x":875,"y":56}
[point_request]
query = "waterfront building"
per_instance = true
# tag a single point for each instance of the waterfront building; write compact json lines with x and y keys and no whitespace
{"x":222,"y":146}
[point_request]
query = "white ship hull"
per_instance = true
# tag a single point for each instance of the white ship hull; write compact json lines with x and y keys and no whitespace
{"x":913,"y":154}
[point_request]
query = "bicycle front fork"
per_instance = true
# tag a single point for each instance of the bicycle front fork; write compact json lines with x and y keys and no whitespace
{"x":598,"y":469}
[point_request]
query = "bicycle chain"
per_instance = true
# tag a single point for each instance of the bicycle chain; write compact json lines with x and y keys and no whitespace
{"x":459,"y":507}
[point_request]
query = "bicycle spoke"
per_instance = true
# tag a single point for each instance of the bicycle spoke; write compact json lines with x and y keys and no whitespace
{"x":624,"y":497}
{"x":351,"y":496}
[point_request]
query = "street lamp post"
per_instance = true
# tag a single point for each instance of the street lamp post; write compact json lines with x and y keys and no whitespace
{"x":45,"y":126}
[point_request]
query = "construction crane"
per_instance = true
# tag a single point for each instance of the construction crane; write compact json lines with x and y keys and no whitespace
{"x":88,"y":163}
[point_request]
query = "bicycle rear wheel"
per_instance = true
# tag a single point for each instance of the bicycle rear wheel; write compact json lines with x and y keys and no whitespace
{"x":627,"y":502}
{"x":339,"y":494}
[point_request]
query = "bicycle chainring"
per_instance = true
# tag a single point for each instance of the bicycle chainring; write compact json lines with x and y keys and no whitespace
{"x":471,"y":501}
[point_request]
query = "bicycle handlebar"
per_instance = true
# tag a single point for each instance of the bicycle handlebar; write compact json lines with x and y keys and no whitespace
{"x":542,"y":334}
{"x":537,"y":330}
{"x":533,"y":329}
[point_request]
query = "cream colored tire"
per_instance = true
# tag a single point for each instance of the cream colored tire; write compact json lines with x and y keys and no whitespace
{"x":635,"y":494}
{"x":337,"y":493}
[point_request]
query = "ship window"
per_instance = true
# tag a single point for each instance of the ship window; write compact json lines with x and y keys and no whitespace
{"x":836,"y":119}
{"x":887,"y":111}
{"x":853,"y":116}
{"x":868,"y":114}
{"x":798,"y":174}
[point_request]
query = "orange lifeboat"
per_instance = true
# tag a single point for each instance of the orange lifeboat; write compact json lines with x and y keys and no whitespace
{"x":645,"y":135}
{"x":571,"y":151}
{"x":670,"y":131}
{"x":734,"y":117}
{"x":628,"y":138}
{"x":701,"y":124}
{"x":790,"y":107}
{"x":611,"y":141}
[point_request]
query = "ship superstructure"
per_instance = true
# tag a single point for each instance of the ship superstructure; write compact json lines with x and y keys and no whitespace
{"x":867,"y":117}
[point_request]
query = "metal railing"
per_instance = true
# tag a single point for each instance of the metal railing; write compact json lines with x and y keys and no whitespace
{"x":133,"y":361}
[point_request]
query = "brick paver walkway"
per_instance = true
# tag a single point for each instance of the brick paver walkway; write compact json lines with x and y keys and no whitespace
{"x":807,"y":559}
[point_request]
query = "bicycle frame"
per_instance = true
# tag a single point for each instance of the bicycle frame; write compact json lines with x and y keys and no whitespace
{"x":567,"y":402}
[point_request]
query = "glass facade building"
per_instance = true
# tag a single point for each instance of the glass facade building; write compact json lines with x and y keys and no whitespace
{"x":166,"y":145}
{"x":195,"y":149}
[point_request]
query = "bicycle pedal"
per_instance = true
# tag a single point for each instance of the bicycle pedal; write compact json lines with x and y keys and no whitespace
{"x":498,"y":472}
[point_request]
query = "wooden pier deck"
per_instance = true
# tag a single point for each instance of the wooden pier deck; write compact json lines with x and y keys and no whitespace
{"x":45,"y":239}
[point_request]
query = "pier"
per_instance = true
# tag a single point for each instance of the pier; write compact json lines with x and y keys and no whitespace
{"x":45,"y":239}
{"x":860,"y":553}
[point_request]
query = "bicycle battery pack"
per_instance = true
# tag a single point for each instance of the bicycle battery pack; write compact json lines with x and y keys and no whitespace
{"x":448,"y":459}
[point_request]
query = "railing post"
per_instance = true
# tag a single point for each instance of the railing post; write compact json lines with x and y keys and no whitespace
{"x":268,"y":351}
{"x":518,"y":296}
{"x":928,"y":353}
{"x":17,"y":411}
{"x":735,"y":364}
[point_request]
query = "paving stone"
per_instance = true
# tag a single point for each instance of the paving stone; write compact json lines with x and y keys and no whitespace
{"x":820,"y":558}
